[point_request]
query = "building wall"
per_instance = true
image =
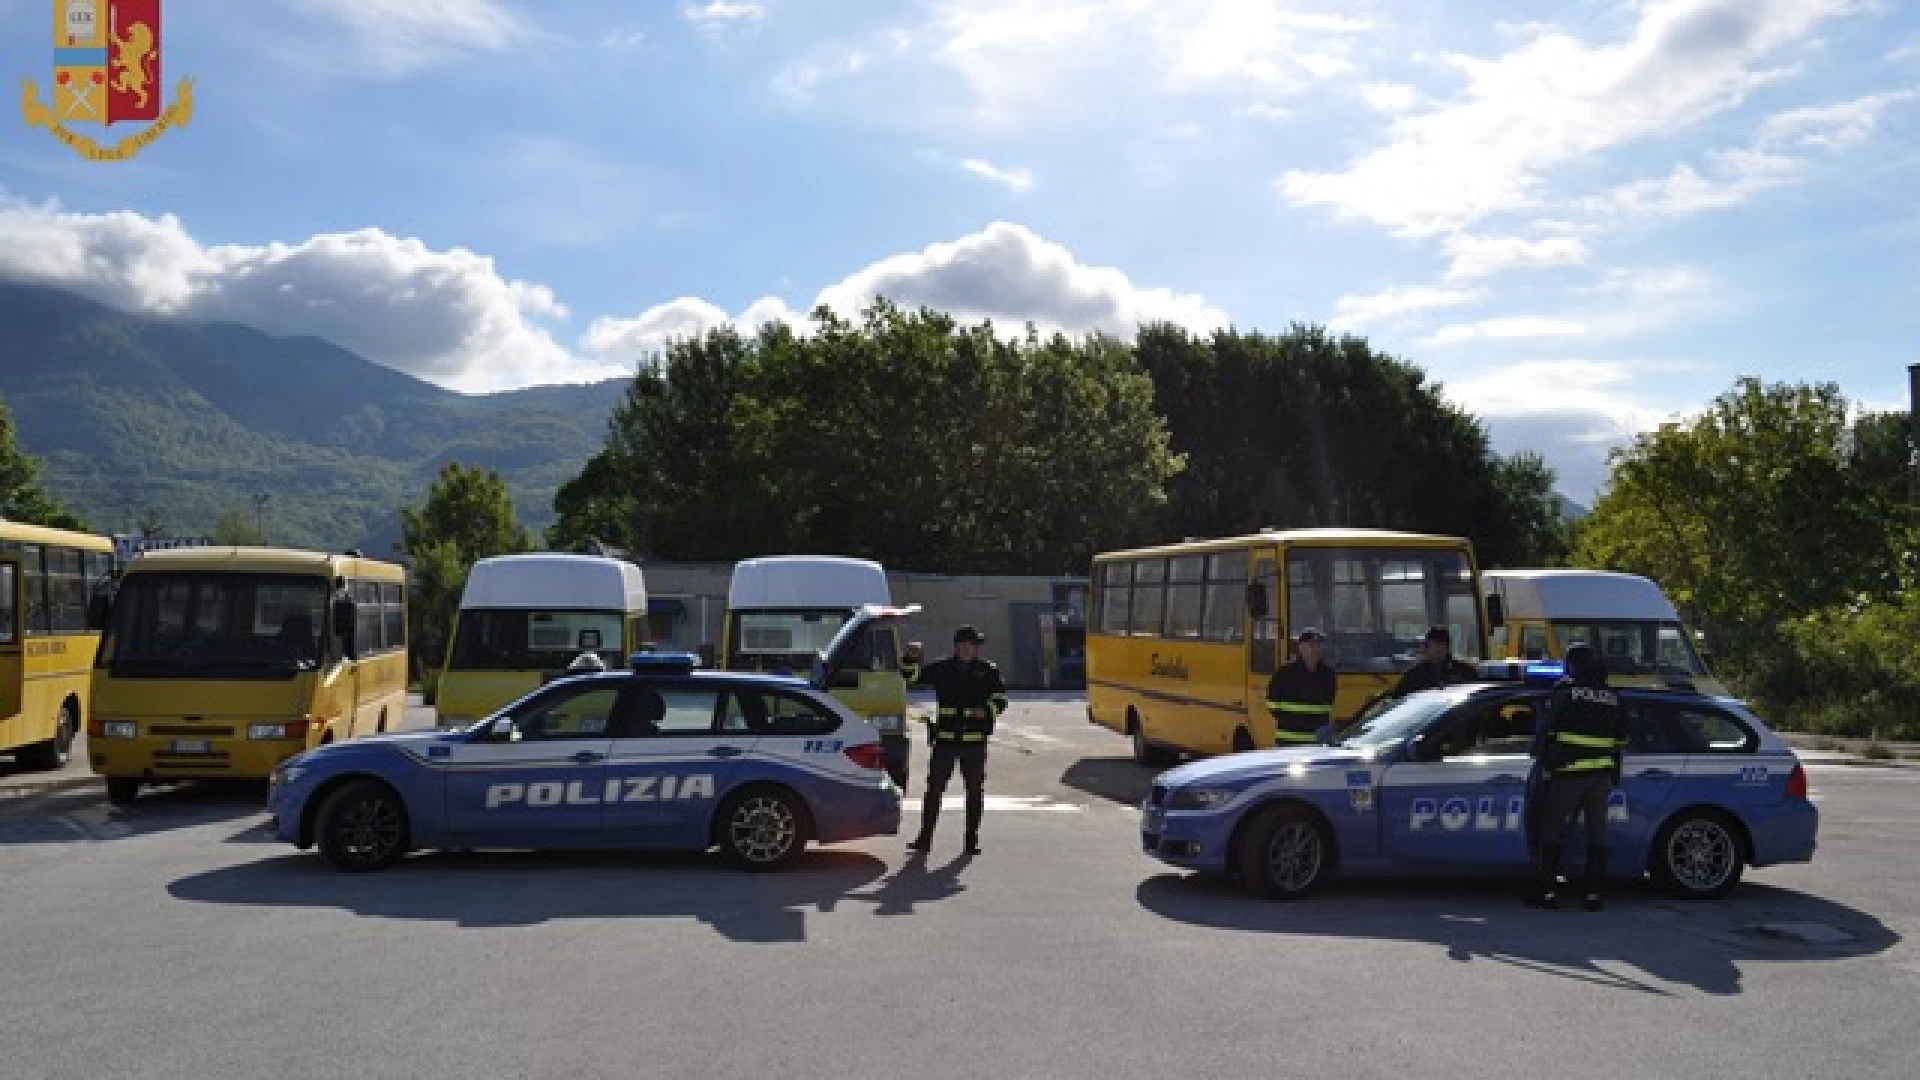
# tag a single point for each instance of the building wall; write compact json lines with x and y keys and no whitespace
{"x":1034,"y":625}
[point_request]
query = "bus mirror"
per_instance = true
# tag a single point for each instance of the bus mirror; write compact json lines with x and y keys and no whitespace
{"x":1257,"y":600}
{"x":1496,"y":611}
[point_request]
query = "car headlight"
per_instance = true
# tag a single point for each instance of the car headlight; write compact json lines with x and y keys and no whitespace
{"x":1199,"y":798}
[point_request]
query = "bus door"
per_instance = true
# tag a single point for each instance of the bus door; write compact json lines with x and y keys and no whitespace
{"x":1264,"y":605}
{"x":12,"y":661}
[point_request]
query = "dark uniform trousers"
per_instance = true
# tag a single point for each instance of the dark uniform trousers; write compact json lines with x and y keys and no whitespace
{"x":969,"y":699}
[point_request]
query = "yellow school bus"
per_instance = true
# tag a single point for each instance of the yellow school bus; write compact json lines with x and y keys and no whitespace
{"x":48,"y":581}
{"x":1183,"y":638}
{"x":222,"y":662}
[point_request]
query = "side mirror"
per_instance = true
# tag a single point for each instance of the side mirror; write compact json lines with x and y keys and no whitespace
{"x":1496,"y":610}
{"x":589,"y":641}
{"x":1257,"y":600}
{"x":503,"y":730}
{"x":1420,"y":748}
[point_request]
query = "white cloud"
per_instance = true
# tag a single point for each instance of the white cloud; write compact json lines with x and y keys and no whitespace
{"x":721,"y":12}
{"x":1353,"y":311}
{"x":1483,"y":256}
{"x":1556,"y":100}
{"x":799,"y":81}
{"x":446,"y":316}
{"x":625,"y":39}
{"x":1504,"y":328}
{"x":629,"y":342}
{"x":1009,"y":274}
{"x":1018,"y":179}
{"x":1569,"y":411}
{"x":1389,"y":97}
{"x":1839,"y":126}
{"x":394,"y":38}
{"x":1737,"y":175}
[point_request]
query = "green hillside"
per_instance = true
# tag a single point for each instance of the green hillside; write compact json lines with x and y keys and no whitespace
{"x":140,"y":417}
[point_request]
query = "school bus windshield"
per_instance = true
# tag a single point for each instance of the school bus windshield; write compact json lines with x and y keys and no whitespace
{"x":216,"y":626}
{"x":1375,"y":604}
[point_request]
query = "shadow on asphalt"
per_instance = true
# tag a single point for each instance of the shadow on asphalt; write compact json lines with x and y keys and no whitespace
{"x":488,"y":889}
{"x":1116,"y":779}
{"x":84,"y":815}
{"x":1700,"y":945}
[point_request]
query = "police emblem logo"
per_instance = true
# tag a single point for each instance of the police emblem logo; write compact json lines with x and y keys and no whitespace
{"x":106,"y":71}
{"x":1360,"y":790}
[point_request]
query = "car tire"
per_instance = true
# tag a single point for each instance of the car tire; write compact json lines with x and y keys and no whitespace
{"x":362,"y":827}
{"x":1145,"y":754}
{"x":56,"y":752}
{"x":1284,"y":853}
{"x":123,"y":790}
{"x":763,"y":829}
{"x":1698,"y":855}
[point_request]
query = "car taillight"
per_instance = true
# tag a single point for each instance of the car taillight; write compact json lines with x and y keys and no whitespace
{"x":1797,"y":783}
{"x":867,"y":756}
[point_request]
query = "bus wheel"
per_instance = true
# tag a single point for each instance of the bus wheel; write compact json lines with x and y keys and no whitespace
{"x":122,"y":790}
{"x":1145,"y":753}
{"x":57,"y":751}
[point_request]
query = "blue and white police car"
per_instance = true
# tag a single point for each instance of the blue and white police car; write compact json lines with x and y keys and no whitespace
{"x":1437,"y":783}
{"x":659,"y":756}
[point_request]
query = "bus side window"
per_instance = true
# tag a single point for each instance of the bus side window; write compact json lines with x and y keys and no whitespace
{"x":1533,"y":642}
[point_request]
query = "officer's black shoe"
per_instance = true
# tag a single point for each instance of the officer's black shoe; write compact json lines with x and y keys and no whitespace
{"x":1543,"y":900}
{"x":973,"y":846}
{"x":1594,"y":903}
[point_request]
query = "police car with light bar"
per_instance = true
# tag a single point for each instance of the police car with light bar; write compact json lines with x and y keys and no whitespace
{"x":1438,"y":782}
{"x":659,"y":756}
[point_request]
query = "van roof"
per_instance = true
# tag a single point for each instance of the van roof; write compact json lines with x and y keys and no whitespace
{"x":1558,"y":594}
{"x":807,"y":581}
{"x":555,"y":581}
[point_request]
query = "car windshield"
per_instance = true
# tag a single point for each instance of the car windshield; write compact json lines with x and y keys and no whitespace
{"x":519,"y":639}
{"x":216,"y":626}
{"x":1641,"y":647}
{"x":1399,"y":720}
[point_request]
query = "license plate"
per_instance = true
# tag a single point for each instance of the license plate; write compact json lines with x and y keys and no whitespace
{"x":192,"y":746}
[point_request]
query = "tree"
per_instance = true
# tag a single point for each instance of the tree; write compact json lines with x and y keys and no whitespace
{"x":1751,"y":512}
{"x":237,"y":527}
{"x":22,"y":498}
{"x":468,"y":516}
{"x":1304,"y":430}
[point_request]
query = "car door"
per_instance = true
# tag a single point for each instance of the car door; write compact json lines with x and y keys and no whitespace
{"x":536,"y":775}
{"x":683,"y":745}
{"x":1458,"y":795}
{"x":1651,"y":768}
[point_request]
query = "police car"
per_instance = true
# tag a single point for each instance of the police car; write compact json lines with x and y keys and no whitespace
{"x":1438,"y":783}
{"x":660,"y":756}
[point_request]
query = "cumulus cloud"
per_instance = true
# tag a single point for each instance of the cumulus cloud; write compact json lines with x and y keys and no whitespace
{"x":1389,"y":97}
{"x":630,"y":342}
{"x":1505,"y":328}
{"x":392,"y":38}
{"x":1555,"y":100}
{"x":446,"y":316}
{"x":1570,"y":411}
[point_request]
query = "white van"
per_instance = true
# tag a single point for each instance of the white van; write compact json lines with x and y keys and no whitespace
{"x":1626,"y":618}
{"x":524,"y":618}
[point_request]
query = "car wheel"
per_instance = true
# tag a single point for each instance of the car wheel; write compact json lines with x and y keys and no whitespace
{"x":1145,"y":753}
{"x":1698,"y":855}
{"x":122,"y":790}
{"x":763,"y":829}
{"x":57,"y":751}
{"x":362,"y":827}
{"x":1284,"y":854}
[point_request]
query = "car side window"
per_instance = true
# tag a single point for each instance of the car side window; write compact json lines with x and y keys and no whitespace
{"x":791,"y":714}
{"x":579,"y":713}
{"x":1651,"y":729}
{"x":1503,"y":728}
{"x":1707,"y":730}
{"x":669,"y":711}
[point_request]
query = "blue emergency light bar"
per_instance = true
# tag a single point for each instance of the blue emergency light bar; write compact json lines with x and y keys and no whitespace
{"x":1529,"y":671}
{"x":663,"y":661}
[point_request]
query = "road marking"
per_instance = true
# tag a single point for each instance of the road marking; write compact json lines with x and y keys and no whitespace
{"x":1005,"y":803}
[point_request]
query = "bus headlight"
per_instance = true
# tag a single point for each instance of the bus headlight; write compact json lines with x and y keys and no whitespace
{"x":1200,"y":798}
{"x":119,"y":729}
{"x":284,"y":730}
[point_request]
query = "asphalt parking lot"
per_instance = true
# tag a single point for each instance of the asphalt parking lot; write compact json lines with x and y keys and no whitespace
{"x":174,"y":939}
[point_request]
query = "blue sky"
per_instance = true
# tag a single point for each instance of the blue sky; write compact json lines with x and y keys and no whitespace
{"x":1581,"y":217}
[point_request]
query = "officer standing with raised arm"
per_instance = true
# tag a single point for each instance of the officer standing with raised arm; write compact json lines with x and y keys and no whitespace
{"x":969,"y":697}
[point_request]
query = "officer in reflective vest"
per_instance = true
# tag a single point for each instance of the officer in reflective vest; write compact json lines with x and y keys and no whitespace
{"x":969,"y":698}
{"x":1577,"y":752}
{"x":1300,"y":695}
{"x":1437,"y":666}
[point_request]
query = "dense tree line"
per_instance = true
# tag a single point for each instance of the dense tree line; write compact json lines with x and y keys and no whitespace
{"x":913,"y":439}
{"x":468,"y":515}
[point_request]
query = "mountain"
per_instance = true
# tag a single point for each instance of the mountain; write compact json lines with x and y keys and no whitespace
{"x":1571,"y":511}
{"x":138,"y":417}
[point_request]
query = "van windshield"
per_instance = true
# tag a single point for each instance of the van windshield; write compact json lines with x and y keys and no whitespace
{"x":521,"y":639}
{"x":1634,"y":647}
{"x":216,"y":626}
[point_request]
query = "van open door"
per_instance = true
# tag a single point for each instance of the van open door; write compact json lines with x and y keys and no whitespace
{"x":13,"y":596}
{"x":830,"y":663}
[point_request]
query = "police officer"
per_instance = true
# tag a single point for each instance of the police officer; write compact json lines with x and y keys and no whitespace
{"x":969,"y":698}
{"x":1437,"y":667}
{"x":1577,"y":753}
{"x":1300,"y":694}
